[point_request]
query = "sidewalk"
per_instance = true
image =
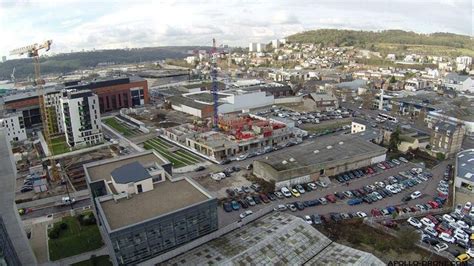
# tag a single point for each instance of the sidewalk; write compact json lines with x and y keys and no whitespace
{"x":78,"y":258}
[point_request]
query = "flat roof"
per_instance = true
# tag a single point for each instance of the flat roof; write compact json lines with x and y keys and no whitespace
{"x":102,"y":170}
{"x":465,"y":165}
{"x":276,"y":238}
{"x":166,"y":197}
{"x":335,"y":148}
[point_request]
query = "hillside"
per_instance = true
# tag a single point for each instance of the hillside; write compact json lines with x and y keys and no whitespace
{"x":64,"y":63}
{"x":369,"y":39}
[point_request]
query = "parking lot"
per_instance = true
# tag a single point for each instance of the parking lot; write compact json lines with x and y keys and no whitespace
{"x":427,"y":189}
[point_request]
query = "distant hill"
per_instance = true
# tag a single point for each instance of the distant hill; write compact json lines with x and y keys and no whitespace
{"x":366,"y":39}
{"x":64,"y":63}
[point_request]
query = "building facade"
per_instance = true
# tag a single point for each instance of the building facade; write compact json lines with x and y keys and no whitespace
{"x":446,"y":138}
{"x":15,"y":126}
{"x":464,"y":171}
{"x":81,"y":118}
{"x":143,"y":211}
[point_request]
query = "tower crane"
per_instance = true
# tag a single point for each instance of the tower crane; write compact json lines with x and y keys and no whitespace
{"x":33,"y":52}
{"x":214,"y":84}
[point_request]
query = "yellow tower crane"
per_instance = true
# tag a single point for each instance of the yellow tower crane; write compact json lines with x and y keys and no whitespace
{"x":33,"y":52}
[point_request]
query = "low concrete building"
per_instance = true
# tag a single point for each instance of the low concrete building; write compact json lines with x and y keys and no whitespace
{"x":464,"y":171}
{"x":321,"y":102}
{"x":318,"y":158}
{"x":359,"y":125}
{"x":143,"y":211}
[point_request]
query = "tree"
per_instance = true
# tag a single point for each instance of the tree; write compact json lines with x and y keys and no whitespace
{"x":440,"y":156}
{"x":367,"y":99}
{"x":393,"y":79}
{"x":395,"y":140}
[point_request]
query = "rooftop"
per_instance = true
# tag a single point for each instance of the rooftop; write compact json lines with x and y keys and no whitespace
{"x":103,"y":169}
{"x":277,"y":238}
{"x":465,"y":165}
{"x":335,"y":148}
{"x":166,"y":197}
{"x":132,"y":172}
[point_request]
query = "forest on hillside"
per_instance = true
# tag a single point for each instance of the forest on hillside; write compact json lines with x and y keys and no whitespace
{"x":366,"y":39}
{"x":64,"y":63}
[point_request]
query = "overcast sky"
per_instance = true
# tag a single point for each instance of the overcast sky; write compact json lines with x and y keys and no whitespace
{"x":75,"y":25}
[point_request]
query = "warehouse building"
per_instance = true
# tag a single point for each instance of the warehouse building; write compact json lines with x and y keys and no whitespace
{"x":302,"y":164}
{"x":144,"y":212}
{"x":464,"y":175}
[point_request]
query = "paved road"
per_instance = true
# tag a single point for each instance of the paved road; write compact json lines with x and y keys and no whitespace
{"x":427,"y":188}
{"x":55,"y":209}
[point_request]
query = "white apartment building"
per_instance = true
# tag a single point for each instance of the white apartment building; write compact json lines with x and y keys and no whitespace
{"x":15,"y":126}
{"x":252,"y":47}
{"x":53,"y":112}
{"x":464,"y":60}
{"x":261,"y":47}
{"x":81,"y":118}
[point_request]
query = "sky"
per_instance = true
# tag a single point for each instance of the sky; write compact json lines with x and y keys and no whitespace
{"x":107,"y":24}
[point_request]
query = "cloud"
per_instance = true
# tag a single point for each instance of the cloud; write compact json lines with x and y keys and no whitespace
{"x":87,"y":24}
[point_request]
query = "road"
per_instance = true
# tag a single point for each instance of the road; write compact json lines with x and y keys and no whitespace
{"x":428,"y":190}
{"x":55,"y":209}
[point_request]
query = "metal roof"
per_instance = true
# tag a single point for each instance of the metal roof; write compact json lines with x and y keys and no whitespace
{"x":132,"y":172}
{"x":465,"y":165}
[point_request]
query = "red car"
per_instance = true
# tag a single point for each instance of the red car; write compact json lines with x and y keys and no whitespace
{"x":375,"y":212}
{"x":444,"y":228}
{"x":331,"y":198}
{"x":264,"y":198}
{"x":370,"y":169}
{"x":386,"y":165}
{"x":433,"y":204}
{"x":432,"y":218}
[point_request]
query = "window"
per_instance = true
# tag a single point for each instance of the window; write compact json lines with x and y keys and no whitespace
{"x":139,"y":188}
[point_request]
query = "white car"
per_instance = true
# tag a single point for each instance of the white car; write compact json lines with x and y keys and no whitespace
{"x":286,"y":192}
{"x":427,"y":222}
{"x":321,"y":184}
{"x":462,"y":237}
{"x":470,"y":252}
{"x":414,"y":222}
{"x":245,"y":214}
{"x":280,"y":208}
{"x":471,"y":213}
{"x":430,"y":231}
{"x":392,"y":189}
{"x":463,"y":225}
{"x":458,"y":209}
{"x":312,"y":186}
{"x":448,"y":218}
{"x":441,"y":247}
{"x":415,"y":194}
{"x":467,"y":206}
{"x":361,"y":214}
{"x":308,"y":220}
{"x":403,"y":159}
{"x":446,"y":238}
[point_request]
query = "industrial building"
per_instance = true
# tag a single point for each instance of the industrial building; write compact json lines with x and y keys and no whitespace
{"x":14,"y":126}
{"x":464,"y":171}
{"x":14,"y":246}
{"x":143,"y":211}
{"x":237,"y":135}
{"x":277,"y":238}
{"x":328,"y":157}
{"x":201,"y":104}
{"x":81,"y":118}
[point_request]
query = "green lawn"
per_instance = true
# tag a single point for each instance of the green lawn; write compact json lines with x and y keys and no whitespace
{"x":121,"y":127}
{"x":178,"y":158}
{"x":59,"y":145}
{"x":76,"y":239}
{"x":97,"y":261}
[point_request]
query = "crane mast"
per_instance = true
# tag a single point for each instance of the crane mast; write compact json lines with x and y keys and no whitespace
{"x":33,"y":52}
{"x":214,"y":84}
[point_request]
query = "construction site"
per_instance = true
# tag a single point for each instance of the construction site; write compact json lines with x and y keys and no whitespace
{"x":235,"y":135}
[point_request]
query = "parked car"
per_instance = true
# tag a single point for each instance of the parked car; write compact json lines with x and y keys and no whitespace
{"x":250,"y":201}
{"x":286,"y":192}
{"x":227,"y":206}
{"x":295,"y":192}
{"x":245,"y":214}
{"x":414,"y":222}
{"x":446,"y":238}
{"x":300,"y":189}
{"x":440,"y":247}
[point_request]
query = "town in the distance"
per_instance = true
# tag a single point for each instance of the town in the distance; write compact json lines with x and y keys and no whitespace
{"x":354,"y":149}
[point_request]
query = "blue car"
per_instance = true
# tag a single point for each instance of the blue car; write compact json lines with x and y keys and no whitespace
{"x":354,"y":201}
{"x":227,"y":207}
{"x":235,"y":205}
